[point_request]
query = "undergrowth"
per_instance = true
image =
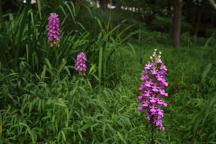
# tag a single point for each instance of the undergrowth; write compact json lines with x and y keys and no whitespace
{"x":44,"y":100}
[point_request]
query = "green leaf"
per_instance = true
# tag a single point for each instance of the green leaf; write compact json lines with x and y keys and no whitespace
{"x":39,"y":8}
{"x":205,"y":72}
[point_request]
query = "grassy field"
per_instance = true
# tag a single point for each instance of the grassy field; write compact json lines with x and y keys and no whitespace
{"x":44,"y":100}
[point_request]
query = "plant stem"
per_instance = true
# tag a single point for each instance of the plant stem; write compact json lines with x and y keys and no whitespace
{"x":152,"y":142}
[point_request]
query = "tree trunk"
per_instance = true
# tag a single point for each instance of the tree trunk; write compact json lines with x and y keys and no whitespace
{"x":103,"y":4}
{"x":198,"y":22}
{"x":177,"y":12}
{"x":169,"y":8}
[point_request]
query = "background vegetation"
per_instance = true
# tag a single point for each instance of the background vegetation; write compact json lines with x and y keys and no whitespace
{"x":44,"y":100}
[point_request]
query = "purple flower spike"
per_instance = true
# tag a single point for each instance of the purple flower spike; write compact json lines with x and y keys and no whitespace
{"x":152,"y":88}
{"x":80,"y":62}
{"x":53,"y":26}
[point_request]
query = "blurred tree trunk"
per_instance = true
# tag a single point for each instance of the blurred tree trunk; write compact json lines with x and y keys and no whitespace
{"x":169,"y":8}
{"x":103,"y":4}
{"x":176,"y":28}
{"x":198,"y":22}
{"x":117,"y":4}
{"x":110,"y":17}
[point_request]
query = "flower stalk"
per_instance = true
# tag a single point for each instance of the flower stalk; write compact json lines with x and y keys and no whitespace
{"x":81,"y":63}
{"x":152,"y":88}
{"x":53,"y":26}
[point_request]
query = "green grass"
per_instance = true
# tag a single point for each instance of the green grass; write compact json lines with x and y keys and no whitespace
{"x":44,"y":100}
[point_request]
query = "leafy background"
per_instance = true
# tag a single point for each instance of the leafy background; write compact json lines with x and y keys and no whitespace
{"x":44,"y":100}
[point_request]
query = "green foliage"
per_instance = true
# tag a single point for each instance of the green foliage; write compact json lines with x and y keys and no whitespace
{"x":211,"y":32}
{"x":43,"y":99}
{"x":161,"y":24}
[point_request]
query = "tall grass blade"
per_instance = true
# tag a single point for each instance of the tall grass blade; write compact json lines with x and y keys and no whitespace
{"x":29,"y":131}
{"x":121,"y":138}
{"x":39,"y":8}
{"x":72,"y":11}
{"x":207,"y":42}
{"x":61,"y":67}
{"x":205,"y":72}
{"x":132,"y":49}
{"x":43,"y":74}
{"x":100,"y":62}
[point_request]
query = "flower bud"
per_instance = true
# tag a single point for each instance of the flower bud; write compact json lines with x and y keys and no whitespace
{"x":80,"y":62}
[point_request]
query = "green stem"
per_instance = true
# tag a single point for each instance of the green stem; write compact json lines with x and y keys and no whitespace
{"x":152,"y":142}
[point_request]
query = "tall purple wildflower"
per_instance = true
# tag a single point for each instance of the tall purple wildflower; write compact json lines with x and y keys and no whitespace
{"x":53,"y":28}
{"x":81,"y":62}
{"x":152,"y":87}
